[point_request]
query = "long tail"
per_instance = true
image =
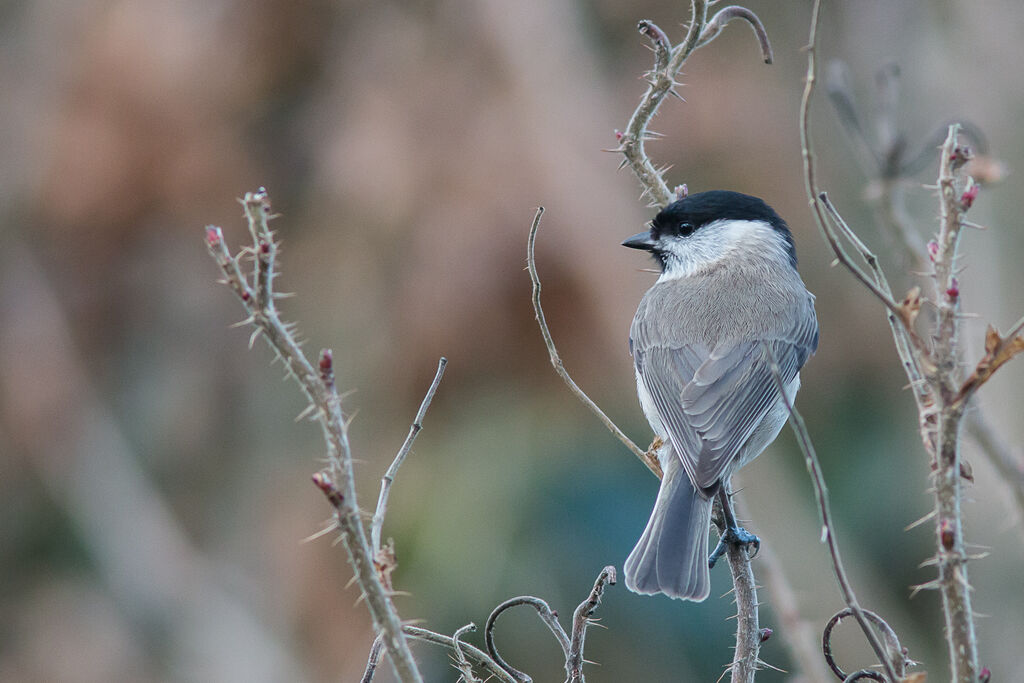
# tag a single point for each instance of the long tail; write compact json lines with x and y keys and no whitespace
{"x":672,"y":555}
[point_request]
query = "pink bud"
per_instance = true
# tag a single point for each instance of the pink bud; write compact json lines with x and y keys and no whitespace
{"x":933,"y":249}
{"x":213,"y":235}
{"x":954,"y":289}
{"x":985,"y":675}
{"x":766,"y":633}
{"x":969,"y":195}
{"x":326,"y":361}
{"x":946,"y":534}
{"x":618,"y":135}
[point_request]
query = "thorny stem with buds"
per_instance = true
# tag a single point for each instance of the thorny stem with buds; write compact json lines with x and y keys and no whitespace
{"x":933,"y":368}
{"x":318,"y":385}
{"x":952,"y":558}
{"x":572,"y":646}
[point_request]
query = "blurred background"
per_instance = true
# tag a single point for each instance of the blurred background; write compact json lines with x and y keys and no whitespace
{"x":154,"y":488}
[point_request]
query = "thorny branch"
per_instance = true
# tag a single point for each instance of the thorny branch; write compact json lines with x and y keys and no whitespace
{"x":258,"y":298}
{"x":889,"y":162}
{"x":572,"y":646}
{"x":581,"y":619}
{"x":933,"y":366}
{"x":661,"y":80}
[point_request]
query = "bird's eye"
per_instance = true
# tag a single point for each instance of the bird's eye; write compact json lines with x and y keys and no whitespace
{"x":685,"y":228}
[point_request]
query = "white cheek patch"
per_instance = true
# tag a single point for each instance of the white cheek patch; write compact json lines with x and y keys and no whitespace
{"x":716,"y":241}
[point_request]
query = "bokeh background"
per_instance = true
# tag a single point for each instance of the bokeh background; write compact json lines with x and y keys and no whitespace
{"x":154,"y":488}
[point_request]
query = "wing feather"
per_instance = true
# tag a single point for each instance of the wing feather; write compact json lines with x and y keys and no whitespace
{"x":710,"y":402}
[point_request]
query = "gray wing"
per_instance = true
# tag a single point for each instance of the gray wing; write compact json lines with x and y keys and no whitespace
{"x":711,"y":403}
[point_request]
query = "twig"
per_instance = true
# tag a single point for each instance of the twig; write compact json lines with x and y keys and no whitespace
{"x":748,"y":627}
{"x":827,"y":528}
{"x":727,"y":14}
{"x":892,"y":644}
{"x":461,"y":663}
{"x":547,"y":615}
{"x":474,"y":655}
{"x":319,"y":387}
{"x":580,"y":620}
{"x":648,"y":458}
{"x":389,"y":476}
{"x":813,"y":194}
{"x":661,"y":80}
{"x":371,"y":664}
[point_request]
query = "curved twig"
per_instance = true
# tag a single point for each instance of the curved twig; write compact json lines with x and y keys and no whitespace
{"x":892,"y":644}
{"x":473,"y":654}
{"x":727,"y":14}
{"x":648,"y":458}
{"x":547,"y":615}
{"x":580,"y":620}
{"x":461,"y":663}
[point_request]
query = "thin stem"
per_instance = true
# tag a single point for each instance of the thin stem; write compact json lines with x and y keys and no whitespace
{"x":581,"y":618}
{"x":371,"y":664}
{"x":648,"y":458}
{"x":389,"y":476}
{"x":461,"y":662}
{"x":827,"y":528}
{"x":474,"y":655}
{"x":547,"y":615}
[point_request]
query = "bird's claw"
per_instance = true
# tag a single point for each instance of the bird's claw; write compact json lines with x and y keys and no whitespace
{"x":737,"y":536}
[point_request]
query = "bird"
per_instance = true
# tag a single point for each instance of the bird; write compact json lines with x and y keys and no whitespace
{"x":728,"y":302}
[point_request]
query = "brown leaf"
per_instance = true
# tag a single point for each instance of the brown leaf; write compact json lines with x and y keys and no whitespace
{"x":911,"y":306}
{"x":916,"y":677}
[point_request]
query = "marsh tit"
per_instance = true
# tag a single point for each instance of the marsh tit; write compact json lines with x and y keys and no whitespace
{"x":728,"y":291}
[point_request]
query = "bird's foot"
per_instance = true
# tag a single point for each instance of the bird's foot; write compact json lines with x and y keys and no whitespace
{"x":737,"y":536}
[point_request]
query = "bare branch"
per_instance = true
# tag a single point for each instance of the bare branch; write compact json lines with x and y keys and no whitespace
{"x":580,"y":620}
{"x":648,"y":458}
{"x":892,"y":645}
{"x":827,"y":528}
{"x":461,"y":663}
{"x":377,"y":523}
{"x":476,"y":656}
{"x":746,"y":657}
{"x":547,"y":615}
{"x":727,"y":14}
{"x":319,"y":387}
{"x":371,"y":665}
{"x":951,"y":556}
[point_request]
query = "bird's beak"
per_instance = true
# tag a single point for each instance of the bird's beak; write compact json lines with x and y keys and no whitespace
{"x":641,"y":240}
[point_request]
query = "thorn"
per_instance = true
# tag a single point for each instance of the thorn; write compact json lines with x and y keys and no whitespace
{"x":254,"y":336}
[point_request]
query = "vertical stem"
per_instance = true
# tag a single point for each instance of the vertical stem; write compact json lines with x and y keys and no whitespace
{"x":951,"y":554}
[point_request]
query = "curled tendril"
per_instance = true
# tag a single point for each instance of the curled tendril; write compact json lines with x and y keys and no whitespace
{"x":892,"y":643}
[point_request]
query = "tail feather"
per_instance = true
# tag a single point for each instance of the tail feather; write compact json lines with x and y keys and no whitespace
{"x":671,"y":556}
